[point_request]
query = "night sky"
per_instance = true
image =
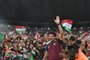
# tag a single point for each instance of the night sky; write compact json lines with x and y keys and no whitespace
{"x":43,"y":11}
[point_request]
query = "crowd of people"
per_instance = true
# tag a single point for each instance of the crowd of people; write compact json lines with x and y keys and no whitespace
{"x":52,"y":45}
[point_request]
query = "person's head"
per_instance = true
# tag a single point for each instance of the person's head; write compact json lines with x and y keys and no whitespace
{"x":31,"y":46}
{"x":39,"y":44}
{"x":66,"y":40}
{"x":72,"y":40}
{"x":51,"y":35}
{"x":18,"y":38}
{"x":79,"y":42}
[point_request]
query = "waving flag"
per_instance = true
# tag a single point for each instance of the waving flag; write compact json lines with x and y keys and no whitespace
{"x":20,"y":28}
{"x":67,"y":24}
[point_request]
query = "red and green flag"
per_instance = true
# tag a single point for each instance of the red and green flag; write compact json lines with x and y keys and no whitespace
{"x":67,"y":24}
{"x":20,"y":29}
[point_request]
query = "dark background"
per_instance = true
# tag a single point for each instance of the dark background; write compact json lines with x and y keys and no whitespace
{"x":43,"y":11}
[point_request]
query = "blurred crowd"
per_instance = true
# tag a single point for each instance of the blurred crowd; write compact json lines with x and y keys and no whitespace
{"x":26,"y":46}
{"x":32,"y":45}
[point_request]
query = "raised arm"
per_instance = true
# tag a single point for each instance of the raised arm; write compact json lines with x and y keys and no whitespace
{"x":82,"y":36}
{"x":45,"y":55}
{"x":57,"y":21}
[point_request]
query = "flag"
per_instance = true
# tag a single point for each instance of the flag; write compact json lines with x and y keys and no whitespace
{"x":20,"y":28}
{"x":67,"y":24}
{"x":1,"y":36}
{"x":32,"y":55}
